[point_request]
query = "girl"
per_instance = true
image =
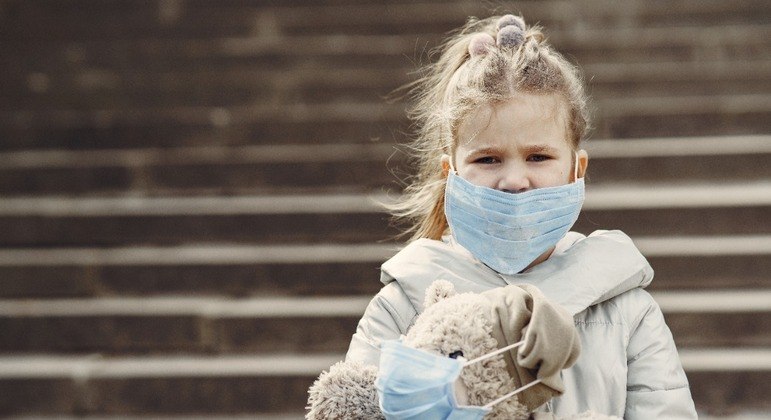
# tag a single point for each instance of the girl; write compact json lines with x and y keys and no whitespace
{"x":500,"y":116}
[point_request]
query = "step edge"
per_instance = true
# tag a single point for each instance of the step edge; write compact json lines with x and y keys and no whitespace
{"x":722,"y":301}
{"x":598,"y":197}
{"x":693,"y":360}
{"x":325,"y":153}
{"x":211,"y":254}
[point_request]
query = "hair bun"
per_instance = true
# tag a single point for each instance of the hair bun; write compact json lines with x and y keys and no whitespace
{"x":480,"y":44}
{"x":511,"y":31}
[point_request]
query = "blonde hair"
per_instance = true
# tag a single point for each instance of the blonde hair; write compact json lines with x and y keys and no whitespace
{"x":460,"y":82}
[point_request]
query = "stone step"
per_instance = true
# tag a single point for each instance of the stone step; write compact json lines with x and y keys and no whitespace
{"x":648,"y":160}
{"x":223,"y":86}
{"x":722,"y":381}
{"x":65,"y":21}
{"x":684,"y":263}
{"x":554,"y":15}
{"x":220,"y":170}
{"x":179,"y":325}
{"x":218,"y":130}
{"x":125,"y":386}
{"x":119,"y":326}
{"x":677,"y":78}
{"x":676,"y":116}
{"x":297,"y":112}
{"x":349,"y":122}
{"x":589,"y":46}
{"x":200,"y":170}
{"x":688,"y":209}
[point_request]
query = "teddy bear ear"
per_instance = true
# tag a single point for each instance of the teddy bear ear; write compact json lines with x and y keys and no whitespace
{"x":438,"y":290}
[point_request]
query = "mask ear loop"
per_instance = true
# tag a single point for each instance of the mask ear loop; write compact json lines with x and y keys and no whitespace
{"x":575,"y":169}
{"x":512,"y":393}
{"x":493,"y":353}
{"x":452,"y":166}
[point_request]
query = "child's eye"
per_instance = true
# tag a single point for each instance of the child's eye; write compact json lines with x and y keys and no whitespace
{"x":538,"y":158}
{"x":486,"y":160}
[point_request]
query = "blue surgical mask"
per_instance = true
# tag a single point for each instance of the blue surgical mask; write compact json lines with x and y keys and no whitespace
{"x":508,"y":231}
{"x":415,"y":384}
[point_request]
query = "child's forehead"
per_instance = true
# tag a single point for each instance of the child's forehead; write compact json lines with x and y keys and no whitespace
{"x":525,"y":119}
{"x":524,"y":105}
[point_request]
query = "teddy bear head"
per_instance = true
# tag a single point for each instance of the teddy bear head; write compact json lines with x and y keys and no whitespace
{"x":460,"y":325}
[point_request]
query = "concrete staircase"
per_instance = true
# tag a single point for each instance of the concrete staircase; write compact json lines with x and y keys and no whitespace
{"x":188,"y":217}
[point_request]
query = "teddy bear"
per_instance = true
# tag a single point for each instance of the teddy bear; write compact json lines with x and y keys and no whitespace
{"x":470,"y":325}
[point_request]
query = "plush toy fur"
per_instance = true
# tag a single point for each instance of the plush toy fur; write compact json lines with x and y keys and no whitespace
{"x":462,"y":323}
{"x":449,"y":324}
{"x":347,"y":391}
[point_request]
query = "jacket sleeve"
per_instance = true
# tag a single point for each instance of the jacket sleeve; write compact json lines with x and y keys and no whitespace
{"x":657,"y":387}
{"x":387,"y":316}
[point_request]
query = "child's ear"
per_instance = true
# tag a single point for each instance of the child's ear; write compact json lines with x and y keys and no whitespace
{"x":583,"y":162}
{"x":445,"y":164}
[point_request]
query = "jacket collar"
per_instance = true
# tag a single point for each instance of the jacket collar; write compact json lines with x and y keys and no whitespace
{"x":564,"y":278}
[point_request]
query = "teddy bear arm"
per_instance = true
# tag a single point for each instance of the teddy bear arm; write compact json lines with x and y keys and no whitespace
{"x":346,"y":391}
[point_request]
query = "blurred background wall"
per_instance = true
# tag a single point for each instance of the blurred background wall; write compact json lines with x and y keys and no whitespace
{"x":186,"y":223}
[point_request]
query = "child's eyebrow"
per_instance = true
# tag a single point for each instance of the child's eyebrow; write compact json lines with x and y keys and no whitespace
{"x":538,"y":148}
{"x":484,"y":150}
{"x":528,"y":149}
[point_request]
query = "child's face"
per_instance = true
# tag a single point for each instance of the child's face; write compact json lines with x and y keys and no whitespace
{"x":518,"y":145}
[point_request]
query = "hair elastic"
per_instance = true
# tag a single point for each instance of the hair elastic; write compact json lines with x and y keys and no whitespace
{"x":511,"y":31}
{"x":480,"y":44}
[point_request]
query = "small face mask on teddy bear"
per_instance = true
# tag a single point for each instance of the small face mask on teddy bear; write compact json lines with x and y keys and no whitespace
{"x":415,"y":384}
